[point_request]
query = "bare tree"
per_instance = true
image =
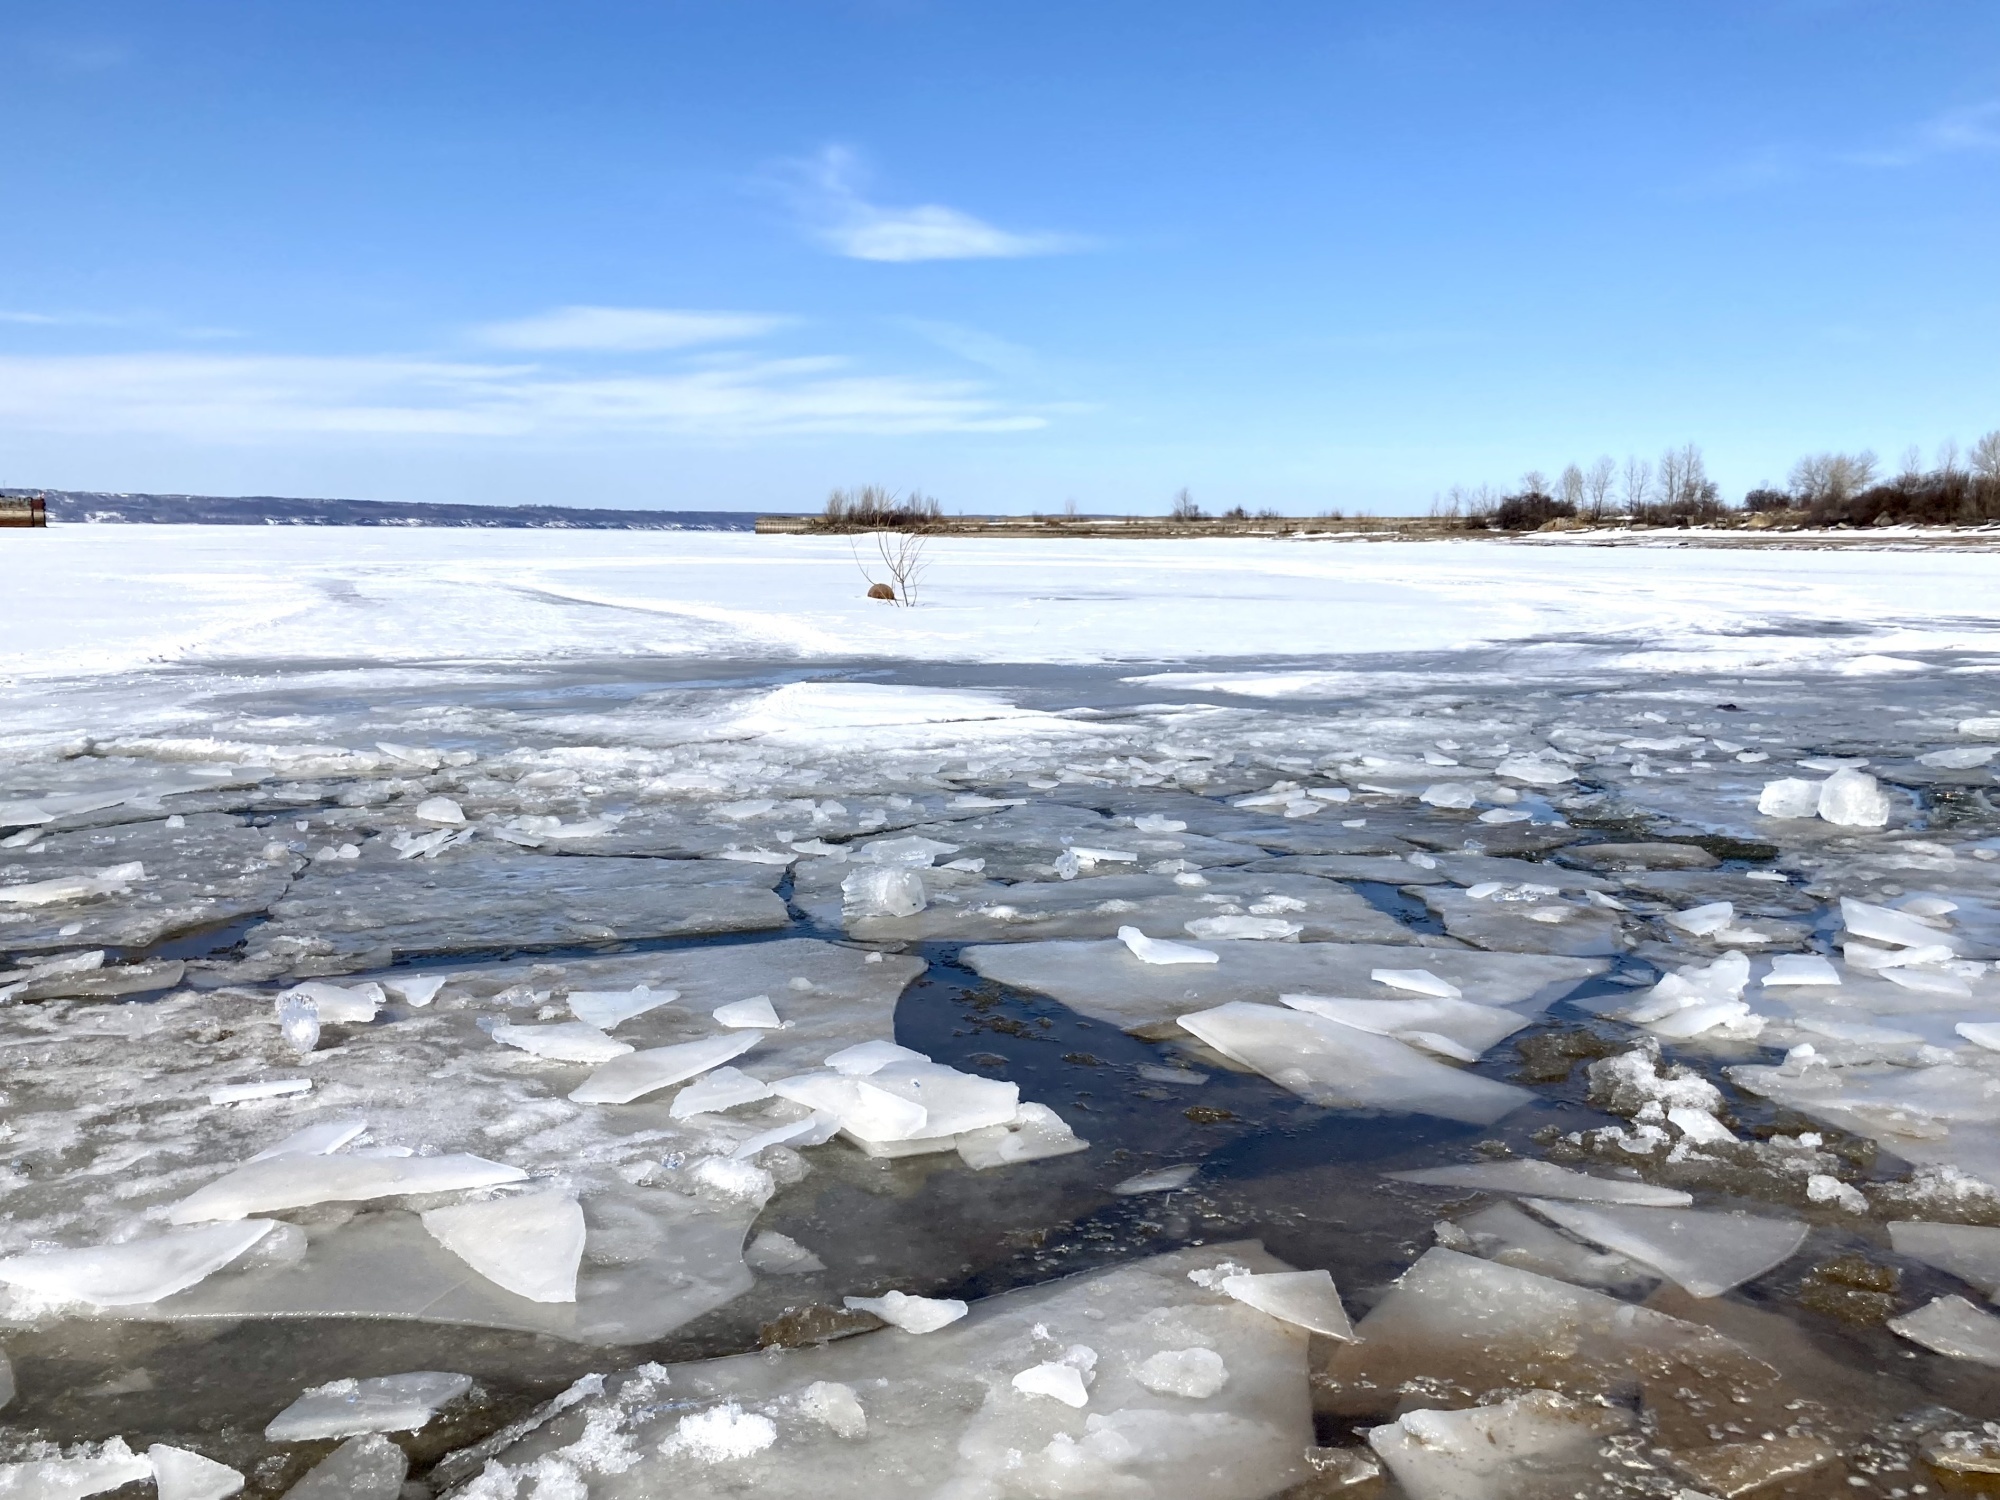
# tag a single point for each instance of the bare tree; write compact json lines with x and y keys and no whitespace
{"x":1948,"y":458}
{"x":1597,"y":487}
{"x":1638,"y":484}
{"x":1829,"y":478}
{"x":902,"y":554}
{"x":1985,"y":456}
{"x":1913,"y":465}
{"x":1534,"y":482}
{"x":1570,"y":488}
{"x":1184,"y":507}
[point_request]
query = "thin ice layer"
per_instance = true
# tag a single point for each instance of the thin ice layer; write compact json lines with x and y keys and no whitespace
{"x":1103,"y":981}
{"x":1545,"y":1179}
{"x":1705,"y":1253}
{"x":136,"y":1271}
{"x":1339,"y":1067}
{"x":529,"y":1245}
{"x":282,"y":1182}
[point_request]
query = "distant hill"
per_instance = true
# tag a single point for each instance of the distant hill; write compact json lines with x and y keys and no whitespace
{"x":276,"y":510}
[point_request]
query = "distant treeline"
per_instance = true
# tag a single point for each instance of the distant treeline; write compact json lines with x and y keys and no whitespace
{"x":276,"y":510}
{"x":1959,"y":488}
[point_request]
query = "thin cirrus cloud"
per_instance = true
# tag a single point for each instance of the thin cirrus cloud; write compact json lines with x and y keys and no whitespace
{"x":625,"y":329}
{"x":1973,"y":128}
{"x":252,"y":398}
{"x":826,"y":190}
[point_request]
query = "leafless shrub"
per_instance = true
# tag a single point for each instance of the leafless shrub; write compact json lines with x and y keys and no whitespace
{"x":902,"y":558}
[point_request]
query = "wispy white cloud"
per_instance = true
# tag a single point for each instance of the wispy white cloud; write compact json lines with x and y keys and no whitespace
{"x":249,"y":399}
{"x":626,"y":328}
{"x":1971,"y":128}
{"x":827,"y":190}
{"x":975,"y":346}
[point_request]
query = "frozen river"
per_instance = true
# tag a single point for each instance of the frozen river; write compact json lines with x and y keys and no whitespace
{"x":1216,"y":1019}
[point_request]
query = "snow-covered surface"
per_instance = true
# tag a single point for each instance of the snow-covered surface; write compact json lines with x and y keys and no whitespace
{"x":116,"y":598}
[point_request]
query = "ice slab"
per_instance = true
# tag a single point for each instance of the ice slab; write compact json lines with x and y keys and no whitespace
{"x":1306,"y":1299}
{"x":718,"y":1089}
{"x":1104,"y":982}
{"x":88,"y":1472}
{"x":637,"y":1074}
{"x":1473,"y":1027}
{"x":209,"y":871}
{"x":1164,"y":1180}
{"x":1036,"y":1133}
{"x":480,"y":898}
{"x":1339,"y":1067}
{"x":136,"y":1271}
{"x":911,"y":1314}
{"x":342,"y":1004}
{"x":1159,"y":951}
{"x":1544,"y":1179}
{"x":369,"y":1467}
{"x":182,"y":1475}
{"x":776,"y":1254}
{"x":1968,"y":1251}
{"x":566,"y":1041}
{"x":1540,"y":1442}
{"x":386,"y":1403}
{"x":756,"y":1012}
{"x":1545,"y":925}
{"x":318,"y":1139}
{"x":1800,"y":969}
{"x":1704,"y":1253}
{"x":606,"y":1009}
{"x":940,"y":1414}
{"x":1501,"y":1232}
{"x":283,"y":1182}
{"x":531,"y":1245}
{"x":1954,"y":1327}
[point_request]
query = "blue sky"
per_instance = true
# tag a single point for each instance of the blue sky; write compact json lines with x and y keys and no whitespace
{"x":732,"y":254}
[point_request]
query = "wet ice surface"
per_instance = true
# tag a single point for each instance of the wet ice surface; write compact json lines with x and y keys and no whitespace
{"x":550,"y":1039}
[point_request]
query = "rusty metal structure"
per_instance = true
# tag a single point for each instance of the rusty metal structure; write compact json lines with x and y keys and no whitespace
{"x":25,"y":510}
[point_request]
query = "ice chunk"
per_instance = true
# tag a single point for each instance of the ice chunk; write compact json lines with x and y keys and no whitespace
{"x":1959,"y":758}
{"x":387,"y":1403}
{"x":1503,"y":1233}
{"x":1884,"y":924}
{"x":1448,"y":794}
{"x":1158,"y":823}
{"x":1489,"y":1452}
{"x":1698,"y":1125}
{"x":1982,"y":728}
{"x":1968,"y":1251}
{"x":273,"y":1088}
{"x":1704,"y":1253}
{"x":1035,"y":1133}
{"x":1792,"y":797}
{"x":1544,"y":1179}
{"x":1307,"y":1299}
{"x":282,"y":1182}
{"x":951,"y":1101}
{"x":136,"y":1271}
{"x":181,"y":1475}
{"x":530,"y":1245}
{"x":1340,"y":1067}
{"x":566,"y":1041}
{"x":343,"y":1005}
{"x":834,"y":1406}
{"x":866,"y":1113}
{"x":1158,"y":951}
{"x":1800,"y":969}
{"x":757,"y":1011}
{"x":1163,"y":1180}
{"x":1417,"y":982}
{"x":298,"y":1022}
{"x":318,"y":1139}
{"x":369,"y":1467}
{"x":88,"y":1473}
{"x":624,"y":1079}
{"x":1980,"y":1033}
{"x":439,"y":810}
{"x":1924,"y":982}
{"x":1242,"y":928}
{"x":1703,"y":921}
{"x":780,"y":1255}
{"x":1055,"y":1379}
{"x":1954,"y":1327}
{"x":1536,"y":770}
{"x":912,"y":850}
{"x":1194,"y":1373}
{"x":1853,"y":799}
{"x":723,"y":1088}
{"x":864,"y":1058}
{"x":911,"y":1314}
{"x":113,"y":880}
{"x":1473,"y":1027}
{"x":605,"y":1009}
{"x":721,"y":1434}
{"x":883,"y":891}
{"x":417,"y":990}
